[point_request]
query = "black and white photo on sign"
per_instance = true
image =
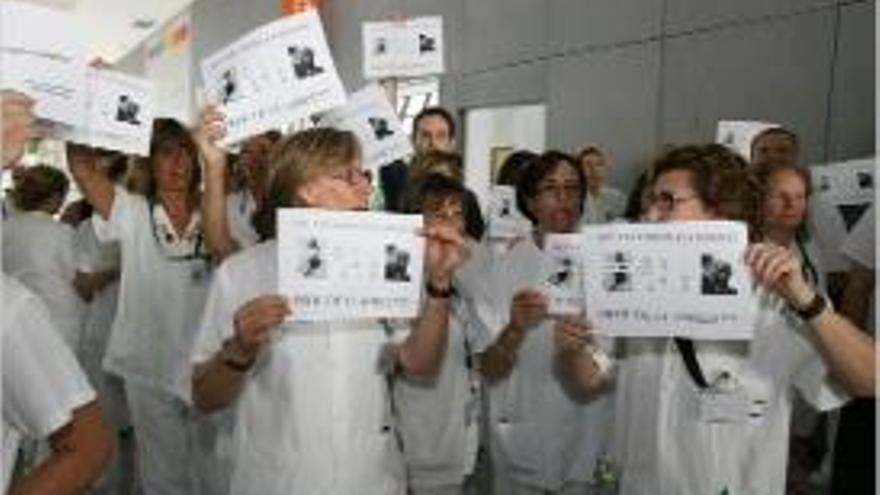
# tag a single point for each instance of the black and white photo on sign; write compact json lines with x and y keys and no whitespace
{"x":302,"y":58}
{"x":381,"y":46}
{"x":666,"y":279}
{"x":617,"y":275}
{"x":865,"y":180}
{"x":397,"y":261}
{"x":128,"y":110}
{"x":563,"y":274}
{"x":228,"y":88}
{"x":715,"y":276}
{"x":277,"y":74}
{"x":381,"y":128}
{"x":562,"y":280}
{"x":313,"y":264}
{"x":427,"y":43}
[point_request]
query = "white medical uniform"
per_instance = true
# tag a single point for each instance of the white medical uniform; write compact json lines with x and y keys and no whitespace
{"x":314,"y":415}
{"x":665,"y":447}
{"x":39,"y":252}
{"x":42,"y":383}
{"x":161,"y":296}
{"x":608,"y":205}
{"x":92,"y":256}
{"x":544,"y":437}
{"x":439,"y":414}
{"x":240,"y":209}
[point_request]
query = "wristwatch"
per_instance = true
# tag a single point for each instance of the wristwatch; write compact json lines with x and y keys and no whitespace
{"x":233,"y":360}
{"x":813,"y":309}
{"x":438,"y":293}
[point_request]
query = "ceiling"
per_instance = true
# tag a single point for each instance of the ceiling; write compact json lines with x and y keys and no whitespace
{"x":110,"y":28}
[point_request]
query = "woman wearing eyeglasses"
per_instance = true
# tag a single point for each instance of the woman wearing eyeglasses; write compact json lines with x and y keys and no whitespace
{"x":310,"y":401}
{"x":545,"y":437}
{"x":670,"y":440}
{"x":163,"y":283}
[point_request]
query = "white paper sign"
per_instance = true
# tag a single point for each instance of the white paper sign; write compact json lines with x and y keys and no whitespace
{"x":842,"y":193}
{"x":371,"y":117}
{"x":41,"y":55}
{"x":682,"y":278}
{"x":345,"y":265}
{"x":738,"y":135}
{"x":564,"y":283}
{"x":408,"y":48}
{"x":119,"y":113}
{"x":504,"y":218}
{"x":276,"y":75}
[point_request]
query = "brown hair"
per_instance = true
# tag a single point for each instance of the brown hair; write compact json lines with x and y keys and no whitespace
{"x":589,"y":150}
{"x":721,"y":178}
{"x":39,"y":184}
{"x":297,"y":159}
{"x":166,"y":130}
{"x":425,"y":163}
{"x":771,"y":131}
{"x":766,"y":172}
{"x":544,"y":165}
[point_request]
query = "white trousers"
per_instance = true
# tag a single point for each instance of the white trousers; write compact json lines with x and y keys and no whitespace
{"x":162,"y":426}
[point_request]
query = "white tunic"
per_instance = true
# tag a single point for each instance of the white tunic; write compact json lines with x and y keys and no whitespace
{"x":439,"y":415}
{"x":240,"y":208}
{"x":39,"y":252}
{"x":42,"y":384}
{"x":608,"y":205}
{"x":161,"y":296}
{"x":542,"y":433}
{"x":314,"y":415}
{"x":92,"y":256}
{"x":662,"y":445}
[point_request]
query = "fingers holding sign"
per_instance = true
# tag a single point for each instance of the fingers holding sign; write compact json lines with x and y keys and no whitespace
{"x":18,"y":121}
{"x":211,"y":129}
{"x":445,"y":251}
{"x":572,"y":334}
{"x":779,"y":270}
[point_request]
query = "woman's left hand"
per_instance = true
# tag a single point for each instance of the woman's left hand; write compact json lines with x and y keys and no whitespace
{"x":445,"y":251}
{"x":779,"y":270}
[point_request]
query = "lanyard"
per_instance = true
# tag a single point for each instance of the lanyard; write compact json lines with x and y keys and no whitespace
{"x":689,"y":356}
{"x":196,"y":253}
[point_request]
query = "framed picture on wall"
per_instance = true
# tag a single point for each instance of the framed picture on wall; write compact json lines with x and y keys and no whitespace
{"x":497,"y":155}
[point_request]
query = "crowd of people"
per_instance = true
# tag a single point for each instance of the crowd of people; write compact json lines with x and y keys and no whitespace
{"x":146,"y":348}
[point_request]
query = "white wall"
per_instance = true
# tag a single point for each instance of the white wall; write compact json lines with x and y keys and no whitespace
{"x":519,"y":127}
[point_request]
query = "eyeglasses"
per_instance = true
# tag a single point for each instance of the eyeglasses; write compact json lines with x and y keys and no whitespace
{"x":352,"y":176}
{"x":666,"y":201}
{"x":571,"y":190}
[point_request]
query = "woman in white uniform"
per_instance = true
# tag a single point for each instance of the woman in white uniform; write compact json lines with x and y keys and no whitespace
{"x":310,"y":400}
{"x":45,"y":394}
{"x":544,"y":437}
{"x":39,"y":250}
{"x":664,"y":444}
{"x":439,"y":414}
{"x":163,"y":284}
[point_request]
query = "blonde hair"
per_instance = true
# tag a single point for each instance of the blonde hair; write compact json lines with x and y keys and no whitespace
{"x":297,"y":159}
